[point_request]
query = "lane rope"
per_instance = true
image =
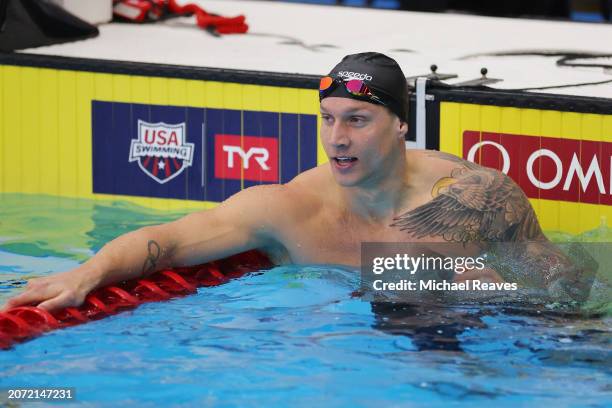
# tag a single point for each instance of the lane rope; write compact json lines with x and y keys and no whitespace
{"x":26,"y":322}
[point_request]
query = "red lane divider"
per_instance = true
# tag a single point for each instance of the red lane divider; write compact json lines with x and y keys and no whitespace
{"x":35,"y":317}
{"x":25,"y":322}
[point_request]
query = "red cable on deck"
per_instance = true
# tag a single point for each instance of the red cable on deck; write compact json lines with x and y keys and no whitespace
{"x":25,"y":322}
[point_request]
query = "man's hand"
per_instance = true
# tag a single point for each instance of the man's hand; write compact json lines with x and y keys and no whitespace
{"x":53,"y":292}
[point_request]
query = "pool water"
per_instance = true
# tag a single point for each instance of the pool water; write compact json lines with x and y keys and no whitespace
{"x":289,"y":336}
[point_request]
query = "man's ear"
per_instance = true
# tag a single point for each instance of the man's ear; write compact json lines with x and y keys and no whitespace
{"x":402,"y":130}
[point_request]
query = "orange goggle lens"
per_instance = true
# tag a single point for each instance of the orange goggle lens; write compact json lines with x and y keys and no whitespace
{"x":325,"y":83}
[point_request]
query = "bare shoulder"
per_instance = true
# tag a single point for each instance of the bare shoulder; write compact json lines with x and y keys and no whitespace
{"x":440,"y":161}
{"x":469,"y":203}
{"x":257,"y":202}
{"x":426,"y":167}
{"x":271,"y":205}
{"x":313,"y":182}
{"x":310,"y":190}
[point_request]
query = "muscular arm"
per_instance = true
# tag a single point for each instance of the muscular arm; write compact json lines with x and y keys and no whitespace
{"x":483,"y":206}
{"x":239,"y":224}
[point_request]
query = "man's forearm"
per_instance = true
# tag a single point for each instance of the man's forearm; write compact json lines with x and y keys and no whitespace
{"x":132,"y":255}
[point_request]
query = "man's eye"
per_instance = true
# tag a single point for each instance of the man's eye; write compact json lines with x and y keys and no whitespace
{"x":326,"y":118}
{"x":357,"y":119}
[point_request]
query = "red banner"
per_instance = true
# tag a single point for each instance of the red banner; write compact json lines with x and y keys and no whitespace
{"x":547,"y":167}
{"x":252,"y":156}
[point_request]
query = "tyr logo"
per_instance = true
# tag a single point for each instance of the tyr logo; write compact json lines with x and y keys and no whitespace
{"x":246,"y":157}
{"x":261,"y":158}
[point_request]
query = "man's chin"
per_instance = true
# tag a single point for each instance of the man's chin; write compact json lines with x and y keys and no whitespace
{"x":344,"y":181}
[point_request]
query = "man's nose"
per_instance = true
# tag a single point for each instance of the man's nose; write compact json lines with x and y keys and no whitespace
{"x":339,"y":134}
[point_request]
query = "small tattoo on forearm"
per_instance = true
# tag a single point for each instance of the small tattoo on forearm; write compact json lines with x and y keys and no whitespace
{"x":154,"y":252}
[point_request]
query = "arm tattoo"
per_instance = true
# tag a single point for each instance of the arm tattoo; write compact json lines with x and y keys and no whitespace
{"x":480,"y":204}
{"x":540,"y":263}
{"x":473,"y":204}
{"x":150,"y":263}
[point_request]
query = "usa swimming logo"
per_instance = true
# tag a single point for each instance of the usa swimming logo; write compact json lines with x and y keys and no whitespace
{"x":161,"y":150}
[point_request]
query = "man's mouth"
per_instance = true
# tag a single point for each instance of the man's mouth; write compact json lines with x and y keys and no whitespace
{"x":344,"y":161}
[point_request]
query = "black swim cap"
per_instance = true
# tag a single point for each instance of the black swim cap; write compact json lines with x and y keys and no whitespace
{"x":379,"y":72}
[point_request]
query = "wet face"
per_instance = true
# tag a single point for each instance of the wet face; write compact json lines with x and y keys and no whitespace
{"x":362,"y":140}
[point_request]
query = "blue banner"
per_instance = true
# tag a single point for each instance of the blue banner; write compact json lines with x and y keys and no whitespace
{"x":196,"y":153}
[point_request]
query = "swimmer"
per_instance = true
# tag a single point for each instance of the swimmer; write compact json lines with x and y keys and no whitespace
{"x":372,"y":189}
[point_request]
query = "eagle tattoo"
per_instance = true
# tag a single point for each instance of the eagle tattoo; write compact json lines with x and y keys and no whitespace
{"x":473,"y":204}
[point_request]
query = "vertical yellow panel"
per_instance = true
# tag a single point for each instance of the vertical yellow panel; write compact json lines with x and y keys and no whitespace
{"x":251,"y":95}
{"x":606,"y":216}
{"x":85,"y":94}
{"x":30,"y":130}
{"x":490,"y":118}
{"x":12,"y":129}
{"x":196,"y":93}
{"x":550,"y":124}
{"x":49,"y":135}
{"x":67,"y":133}
{"x":214,"y":95}
{"x":308,"y":101}
{"x":140,"y":89}
{"x":606,"y":129}
{"x":232,"y":96}
{"x":103,"y":87}
{"x":177,"y":91}
{"x":510,"y":121}
{"x":570,"y":125}
{"x":591,"y":127}
{"x":289,"y":100}
{"x":548,"y":214}
{"x":159,"y":91}
{"x":531,"y":122}
{"x":450,"y":128}
{"x":122,"y":89}
{"x":569,"y":217}
{"x":270,"y":99}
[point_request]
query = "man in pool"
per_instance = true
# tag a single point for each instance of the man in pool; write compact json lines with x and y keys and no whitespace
{"x":372,"y":189}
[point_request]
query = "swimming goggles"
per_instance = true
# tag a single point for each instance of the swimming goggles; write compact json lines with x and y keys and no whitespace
{"x":355,"y":87}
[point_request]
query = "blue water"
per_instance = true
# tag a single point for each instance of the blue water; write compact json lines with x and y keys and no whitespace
{"x":290,"y":336}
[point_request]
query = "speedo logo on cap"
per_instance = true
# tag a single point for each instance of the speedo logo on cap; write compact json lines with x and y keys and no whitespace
{"x":354,"y":75}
